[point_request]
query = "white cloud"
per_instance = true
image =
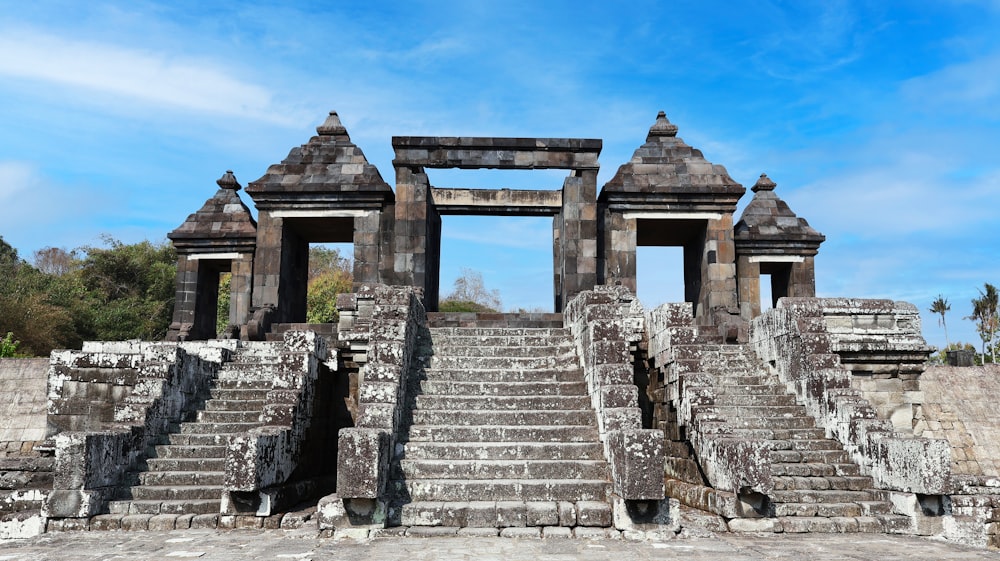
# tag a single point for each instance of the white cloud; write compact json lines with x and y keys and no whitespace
{"x":144,"y":76}
{"x":15,"y":177}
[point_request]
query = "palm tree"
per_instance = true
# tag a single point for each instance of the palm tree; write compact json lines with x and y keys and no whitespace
{"x":940,"y":306}
{"x":986,"y":314}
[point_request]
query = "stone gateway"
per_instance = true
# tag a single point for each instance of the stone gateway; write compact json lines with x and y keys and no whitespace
{"x":600,"y":419}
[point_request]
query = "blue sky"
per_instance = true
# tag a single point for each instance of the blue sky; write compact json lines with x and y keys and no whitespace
{"x":878,"y":120}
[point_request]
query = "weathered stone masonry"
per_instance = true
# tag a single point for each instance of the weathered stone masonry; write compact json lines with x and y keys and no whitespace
{"x":597,"y":420}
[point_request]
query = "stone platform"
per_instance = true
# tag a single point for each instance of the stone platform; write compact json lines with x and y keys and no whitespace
{"x":246,"y":545}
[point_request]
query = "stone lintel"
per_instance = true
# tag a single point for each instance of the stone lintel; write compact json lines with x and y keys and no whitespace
{"x":513,"y":202}
{"x":668,"y":215}
{"x":496,"y":152}
{"x":777,"y":258}
{"x":671,"y":201}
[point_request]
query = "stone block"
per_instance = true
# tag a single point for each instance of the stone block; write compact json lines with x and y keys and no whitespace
{"x":362,"y":462}
{"x":593,"y":513}
{"x":510,"y":514}
{"x":541,"y":513}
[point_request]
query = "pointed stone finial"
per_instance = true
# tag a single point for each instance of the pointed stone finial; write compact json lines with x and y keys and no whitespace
{"x":228,"y":181}
{"x":331,"y":126}
{"x":764,"y":184}
{"x":662,"y":126}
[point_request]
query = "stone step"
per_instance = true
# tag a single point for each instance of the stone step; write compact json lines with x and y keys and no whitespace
{"x":818,"y":483}
{"x":503,"y":469}
{"x":190,"y":506}
{"x":734,"y":413}
{"x":566,"y":360}
{"x":492,"y":351}
{"x":573,"y":374}
{"x":756,"y":400}
{"x":445,"y":387}
{"x":815,"y":469}
{"x":819,"y":496}
{"x":494,"y":417}
{"x":751,"y":389}
{"x":239,"y":394}
{"x":173,"y":464}
{"x":217,"y":428}
{"x":449,"y":341}
{"x":723,"y":382}
{"x":466,"y":404}
{"x":802,"y":445}
{"x":450,"y":433}
{"x":242,"y":384}
{"x":176,"y":492}
{"x":493,"y":514}
{"x":229,"y":416}
{"x":506,"y":490}
{"x":827,"y":510}
{"x":782,"y":434}
{"x":822,"y":457}
{"x":422,"y":450}
{"x":229,"y":404}
{"x":500,"y":331}
{"x":197,"y":440}
{"x":249,"y":374}
{"x":182,"y":478}
{"x":791,"y":422}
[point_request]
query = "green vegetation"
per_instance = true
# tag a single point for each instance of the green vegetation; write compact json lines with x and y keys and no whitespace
{"x":116,"y":292}
{"x":8,"y":346}
{"x":330,"y":274}
{"x":986,"y":314}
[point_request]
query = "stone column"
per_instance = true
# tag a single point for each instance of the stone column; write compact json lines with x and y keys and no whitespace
{"x":241,"y":289}
{"x":410,"y":243}
{"x":184,"y":299}
{"x":367,"y":248}
{"x":619,"y":247}
{"x":267,"y":265}
{"x":579,"y":234}
{"x":557,"y":260}
{"x":280,"y":269}
{"x":748,"y":282}
{"x":803,"y":278}
{"x":718,"y":266}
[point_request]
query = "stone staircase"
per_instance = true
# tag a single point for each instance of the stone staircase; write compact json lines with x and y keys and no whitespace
{"x":813,"y":475}
{"x":185,"y":473}
{"x":503,"y":435}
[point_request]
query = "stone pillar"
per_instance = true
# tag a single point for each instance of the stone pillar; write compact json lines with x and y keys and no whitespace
{"x":411,"y":239}
{"x":718,"y":272}
{"x":267,"y":266}
{"x":748,"y":282}
{"x":367,"y":248}
{"x":184,"y":299}
{"x":240,"y":289}
{"x":802,"y":283}
{"x":579,"y":234}
{"x":619,"y":247}
{"x":557,"y":260}
{"x":281,"y":269}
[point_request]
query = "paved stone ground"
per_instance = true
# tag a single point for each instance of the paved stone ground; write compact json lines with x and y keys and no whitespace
{"x":302,"y":545}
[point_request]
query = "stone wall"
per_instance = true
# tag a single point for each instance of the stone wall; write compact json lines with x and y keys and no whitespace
{"x":805,"y":345}
{"x":23,"y":403}
{"x":97,"y":448}
{"x":960,"y":406}
{"x":606,"y":322}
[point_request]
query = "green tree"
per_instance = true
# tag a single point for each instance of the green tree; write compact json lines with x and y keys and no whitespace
{"x":471,"y":295}
{"x":986,"y":314}
{"x":8,"y":346}
{"x":222,"y":306}
{"x":330,"y":274}
{"x":132,"y":288}
{"x":941,"y":306}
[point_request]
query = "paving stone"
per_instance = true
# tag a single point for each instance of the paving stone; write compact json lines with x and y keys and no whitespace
{"x":521,"y":532}
{"x":556,"y":532}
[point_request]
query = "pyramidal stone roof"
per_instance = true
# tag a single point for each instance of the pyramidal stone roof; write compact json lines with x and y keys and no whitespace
{"x":329,"y":164}
{"x":666,"y":165}
{"x":768,"y":220}
{"x":223,"y":221}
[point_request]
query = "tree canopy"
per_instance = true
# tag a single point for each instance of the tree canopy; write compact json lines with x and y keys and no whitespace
{"x":471,"y":295}
{"x":114,"y":292}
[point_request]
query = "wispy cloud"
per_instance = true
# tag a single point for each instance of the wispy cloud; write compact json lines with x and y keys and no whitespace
{"x":144,"y":76}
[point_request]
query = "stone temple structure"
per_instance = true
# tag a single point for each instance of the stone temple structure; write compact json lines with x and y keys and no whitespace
{"x":600,"y":419}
